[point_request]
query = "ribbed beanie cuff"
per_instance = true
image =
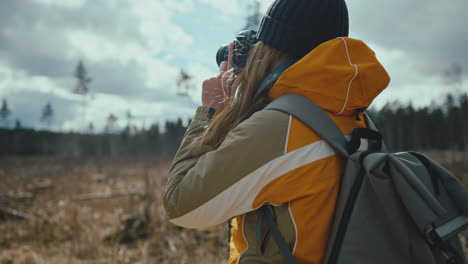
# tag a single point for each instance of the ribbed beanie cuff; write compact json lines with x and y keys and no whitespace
{"x":298,"y":26}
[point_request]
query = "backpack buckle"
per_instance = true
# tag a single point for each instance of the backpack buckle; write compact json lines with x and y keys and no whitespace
{"x":436,"y":241}
{"x":440,"y":234}
{"x":374,"y":138}
{"x":432,"y":237}
{"x":450,"y":254}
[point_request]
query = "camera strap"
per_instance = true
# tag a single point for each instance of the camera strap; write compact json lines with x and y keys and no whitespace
{"x":274,"y":75}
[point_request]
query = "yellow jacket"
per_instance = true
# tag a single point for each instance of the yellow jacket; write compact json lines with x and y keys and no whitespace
{"x":273,"y":158}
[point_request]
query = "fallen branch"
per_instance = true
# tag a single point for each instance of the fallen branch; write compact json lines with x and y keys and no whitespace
{"x":16,"y":213}
{"x":17,"y":196}
{"x":104,"y":195}
{"x":40,"y":185}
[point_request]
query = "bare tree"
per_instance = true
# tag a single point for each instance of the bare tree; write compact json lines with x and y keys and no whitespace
{"x":184,"y":83}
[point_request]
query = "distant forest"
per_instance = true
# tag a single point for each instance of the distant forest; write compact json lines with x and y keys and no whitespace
{"x":435,"y":127}
{"x":145,"y":142}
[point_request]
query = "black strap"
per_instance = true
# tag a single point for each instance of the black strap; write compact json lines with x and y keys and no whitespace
{"x":374,"y":138}
{"x":229,"y":231}
{"x":371,"y":125}
{"x":274,"y":75}
{"x":285,"y":251}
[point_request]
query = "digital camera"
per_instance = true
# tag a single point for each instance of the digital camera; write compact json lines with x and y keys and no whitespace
{"x":242,"y":45}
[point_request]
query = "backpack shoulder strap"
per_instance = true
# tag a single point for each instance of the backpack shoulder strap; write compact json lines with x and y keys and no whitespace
{"x":285,"y":251}
{"x":371,"y":125}
{"x":274,"y":75}
{"x":314,"y":117}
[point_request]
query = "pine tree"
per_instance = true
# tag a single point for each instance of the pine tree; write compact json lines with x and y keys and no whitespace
{"x":91,"y":127}
{"x":47,"y":115}
{"x":5,"y":113}
{"x":449,"y":102}
{"x":153,"y":131}
{"x":454,"y":76}
{"x":18,"y":124}
{"x":111,"y":123}
{"x":83,"y":80}
{"x":82,"y":87}
{"x":464,"y":116}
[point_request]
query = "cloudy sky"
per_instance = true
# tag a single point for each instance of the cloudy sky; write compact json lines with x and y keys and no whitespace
{"x":134,"y":51}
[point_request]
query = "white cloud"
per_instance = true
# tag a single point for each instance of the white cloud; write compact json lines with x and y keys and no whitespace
{"x":120,"y":51}
{"x":62,"y":3}
{"x":134,"y":50}
{"x":199,"y":72}
{"x":225,"y":7}
{"x":266,"y":4}
{"x":18,"y":81}
{"x":5,"y":77}
{"x":157,"y":30}
{"x":434,"y":32}
{"x":27,"y":94}
{"x":408,"y":82}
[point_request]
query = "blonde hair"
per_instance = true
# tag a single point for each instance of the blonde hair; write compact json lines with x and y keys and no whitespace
{"x":241,"y":102}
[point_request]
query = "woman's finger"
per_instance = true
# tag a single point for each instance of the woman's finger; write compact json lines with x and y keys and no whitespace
{"x":231,"y":51}
{"x":223,"y":67}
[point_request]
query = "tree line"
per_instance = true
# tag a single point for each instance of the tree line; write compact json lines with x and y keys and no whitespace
{"x":404,"y":127}
{"x":152,"y":141}
{"x":434,"y":127}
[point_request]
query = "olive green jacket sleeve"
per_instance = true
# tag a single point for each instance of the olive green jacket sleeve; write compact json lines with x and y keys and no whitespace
{"x":208,"y":186}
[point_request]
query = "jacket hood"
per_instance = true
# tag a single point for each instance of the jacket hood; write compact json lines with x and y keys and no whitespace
{"x":340,"y":76}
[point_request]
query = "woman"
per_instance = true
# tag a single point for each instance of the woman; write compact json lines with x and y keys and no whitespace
{"x":234,"y":162}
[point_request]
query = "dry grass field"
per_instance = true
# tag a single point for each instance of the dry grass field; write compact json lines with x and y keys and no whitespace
{"x":95,"y":211}
{"x":106,"y":211}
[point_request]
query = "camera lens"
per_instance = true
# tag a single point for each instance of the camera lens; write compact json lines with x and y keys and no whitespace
{"x":222,"y":54}
{"x":242,"y":45}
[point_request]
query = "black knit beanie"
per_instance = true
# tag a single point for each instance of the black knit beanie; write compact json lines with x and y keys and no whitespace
{"x":298,"y":26}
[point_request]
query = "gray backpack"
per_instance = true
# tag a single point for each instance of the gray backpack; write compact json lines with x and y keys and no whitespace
{"x":393,"y":207}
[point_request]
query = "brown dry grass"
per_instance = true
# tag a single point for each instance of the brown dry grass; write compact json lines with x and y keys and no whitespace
{"x":89,"y":231}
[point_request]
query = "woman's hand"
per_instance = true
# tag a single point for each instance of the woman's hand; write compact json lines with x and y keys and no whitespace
{"x":216,"y":91}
